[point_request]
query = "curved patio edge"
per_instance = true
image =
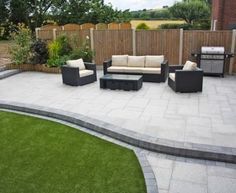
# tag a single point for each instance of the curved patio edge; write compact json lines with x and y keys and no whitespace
{"x":183,"y":149}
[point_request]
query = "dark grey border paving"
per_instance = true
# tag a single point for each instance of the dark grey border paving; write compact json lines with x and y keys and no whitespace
{"x":190,"y":150}
{"x":7,"y":73}
{"x":148,"y":173}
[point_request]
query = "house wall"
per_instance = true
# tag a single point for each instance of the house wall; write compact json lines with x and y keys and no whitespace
{"x":224,"y":11}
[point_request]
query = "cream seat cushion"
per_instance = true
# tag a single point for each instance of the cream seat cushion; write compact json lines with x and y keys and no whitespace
{"x":116,"y":69}
{"x":120,"y":60}
{"x":190,"y":66}
{"x":172,"y":76}
{"x":136,"y":61}
{"x":154,"y":61}
{"x":76,"y":64}
{"x":133,"y":70}
{"x":83,"y":73}
{"x":151,"y":70}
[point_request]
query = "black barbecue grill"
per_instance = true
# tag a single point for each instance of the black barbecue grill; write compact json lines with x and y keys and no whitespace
{"x":212,"y":60}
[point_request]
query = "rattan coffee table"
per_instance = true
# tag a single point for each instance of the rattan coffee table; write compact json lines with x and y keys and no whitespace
{"x":121,"y":82}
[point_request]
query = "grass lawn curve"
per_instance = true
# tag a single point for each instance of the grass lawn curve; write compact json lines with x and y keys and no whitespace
{"x":42,"y":156}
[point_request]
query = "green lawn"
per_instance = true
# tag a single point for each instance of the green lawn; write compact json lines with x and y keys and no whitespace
{"x":40,"y":156}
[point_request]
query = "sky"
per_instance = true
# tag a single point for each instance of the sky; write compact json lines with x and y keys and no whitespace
{"x":139,"y":4}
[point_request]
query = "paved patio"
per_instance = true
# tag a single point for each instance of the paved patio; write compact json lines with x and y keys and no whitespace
{"x":155,"y":110}
{"x":181,"y":175}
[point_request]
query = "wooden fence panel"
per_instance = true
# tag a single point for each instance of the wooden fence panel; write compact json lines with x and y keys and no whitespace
{"x":158,"y":42}
{"x":114,"y":26}
{"x":100,"y":26}
{"x":234,"y":65}
{"x":87,"y":26}
{"x":125,"y":26}
{"x":76,"y":37}
{"x":111,"y":42}
{"x":46,"y":35}
{"x":71,"y":26}
{"x":50,"y":27}
{"x":194,"y":40}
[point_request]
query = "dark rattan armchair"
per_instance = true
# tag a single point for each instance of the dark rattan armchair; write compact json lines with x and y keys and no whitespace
{"x":73,"y":76}
{"x":185,"y":80}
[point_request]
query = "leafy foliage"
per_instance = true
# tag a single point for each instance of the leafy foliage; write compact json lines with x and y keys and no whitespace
{"x":65,"y":48}
{"x":6,"y":29}
{"x":21,"y":51}
{"x":143,"y":26}
{"x":199,"y":25}
{"x":151,"y":14}
{"x":184,"y":26}
{"x":191,"y":10}
{"x":83,"y":52}
{"x":39,"y":52}
{"x":59,"y":51}
{"x":58,"y":61}
{"x":34,"y":13}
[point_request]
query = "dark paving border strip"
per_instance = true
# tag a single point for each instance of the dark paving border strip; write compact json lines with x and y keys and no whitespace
{"x":190,"y":150}
{"x":149,"y":176}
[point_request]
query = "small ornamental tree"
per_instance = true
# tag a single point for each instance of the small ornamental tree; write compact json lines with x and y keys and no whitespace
{"x":21,"y":51}
{"x":191,"y":10}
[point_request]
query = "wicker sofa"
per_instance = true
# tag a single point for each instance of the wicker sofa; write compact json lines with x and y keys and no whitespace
{"x":153,"y":68}
{"x":185,"y":80}
{"x":78,"y":74}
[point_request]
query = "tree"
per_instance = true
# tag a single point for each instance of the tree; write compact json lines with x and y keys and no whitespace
{"x":3,"y":11}
{"x":83,"y":11}
{"x":19,"y":12}
{"x":191,"y":10}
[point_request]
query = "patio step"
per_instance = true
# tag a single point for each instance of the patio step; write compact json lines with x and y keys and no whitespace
{"x":2,"y":68}
{"x":7,"y":73}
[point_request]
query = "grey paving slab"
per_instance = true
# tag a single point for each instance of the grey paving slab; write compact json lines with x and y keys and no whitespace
{"x":215,"y":185}
{"x":187,"y":187}
{"x":192,"y":175}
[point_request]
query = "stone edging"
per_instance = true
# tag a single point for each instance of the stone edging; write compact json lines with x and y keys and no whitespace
{"x":35,"y":67}
{"x":149,"y":176}
{"x":190,"y":150}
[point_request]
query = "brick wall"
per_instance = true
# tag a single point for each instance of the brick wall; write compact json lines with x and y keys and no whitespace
{"x":224,"y":12}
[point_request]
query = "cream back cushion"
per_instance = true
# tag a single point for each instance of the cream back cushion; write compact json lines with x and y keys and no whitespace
{"x":190,"y":66}
{"x":136,"y":61}
{"x":154,"y":61}
{"x":120,"y":60}
{"x":76,"y":64}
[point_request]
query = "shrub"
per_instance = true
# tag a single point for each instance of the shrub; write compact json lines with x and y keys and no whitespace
{"x":143,"y":26}
{"x":185,"y":26}
{"x":54,"y":49}
{"x":39,"y":52}
{"x":83,"y":52}
{"x":6,"y":29}
{"x":58,"y":51}
{"x":57,"y":62}
{"x":21,"y":51}
{"x":199,"y":25}
{"x":65,"y":48}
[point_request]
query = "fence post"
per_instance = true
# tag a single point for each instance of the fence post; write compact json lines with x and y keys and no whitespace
{"x":181,"y":42}
{"x":37,"y":32}
{"x":232,"y":51}
{"x":54,"y":33}
{"x":92,"y":40}
{"x":134,"y":41}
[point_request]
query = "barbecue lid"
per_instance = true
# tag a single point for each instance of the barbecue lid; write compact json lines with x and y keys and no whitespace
{"x":212,"y":50}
